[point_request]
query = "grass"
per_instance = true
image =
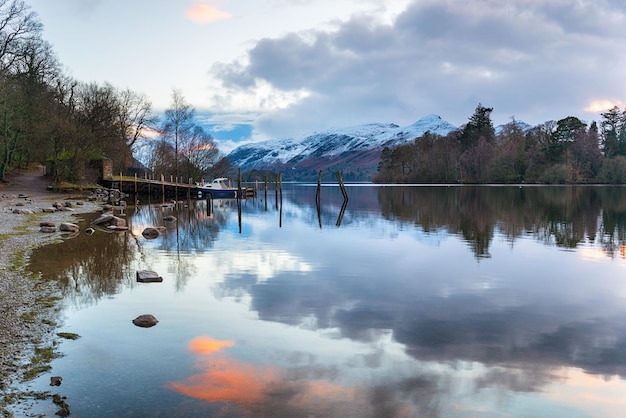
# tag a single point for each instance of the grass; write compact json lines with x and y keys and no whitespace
{"x":40,"y":362}
{"x":68,"y":335}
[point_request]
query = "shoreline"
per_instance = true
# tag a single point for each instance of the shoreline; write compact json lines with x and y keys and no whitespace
{"x":28,"y":304}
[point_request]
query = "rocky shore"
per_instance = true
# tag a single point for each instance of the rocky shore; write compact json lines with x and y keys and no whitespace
{"x":27,"y":303}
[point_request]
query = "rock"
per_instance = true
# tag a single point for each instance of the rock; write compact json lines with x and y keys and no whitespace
{"x":56,"y":380}
{"x":69,"y":227}
{"x":148,"y":276}
{"x":145,"y":321}
{"x":46,"y":223}
{"x":151,"y":232}
{"x":48,"y":229}
{"x":19,"y":204}
{"x":48,"y":210}
{"x":117,"y":228}
{"x":169,"y":218}
{"x":89,"y":231}
{"x":23,"y":211}
{"x":115,"y":221}
{"x":103,"y":219}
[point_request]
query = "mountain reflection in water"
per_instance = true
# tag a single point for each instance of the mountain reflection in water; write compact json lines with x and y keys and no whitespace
{"x":418,"y":301}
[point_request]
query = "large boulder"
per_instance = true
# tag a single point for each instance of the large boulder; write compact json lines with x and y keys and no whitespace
{"x":115,"y":221}
{"x":145,"y":321}
{"x":103,"y":219}
{"x":69,"y":227}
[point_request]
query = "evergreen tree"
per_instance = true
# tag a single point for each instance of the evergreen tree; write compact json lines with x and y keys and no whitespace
{"x":479,"y":125}
{"x":613,"y":128}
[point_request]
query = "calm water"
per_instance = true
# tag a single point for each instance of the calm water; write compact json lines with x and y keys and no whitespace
{"x":413,"y":302}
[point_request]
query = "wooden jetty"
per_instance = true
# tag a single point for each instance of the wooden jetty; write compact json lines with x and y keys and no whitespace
{"x":163,"y":189}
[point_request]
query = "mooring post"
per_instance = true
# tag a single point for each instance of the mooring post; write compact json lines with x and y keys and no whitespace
{"x":208,"y":204}
{"x":343,"y":188}
{"x":276,"y":193}
{"x":319,"y":189}
{"x":265,"y":191}
{"x":163,"y":189}
{"x":239,"y":185}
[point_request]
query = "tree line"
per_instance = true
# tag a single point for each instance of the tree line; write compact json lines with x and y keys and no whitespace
{"x":47,"y":116}
{"x":555,"y":152}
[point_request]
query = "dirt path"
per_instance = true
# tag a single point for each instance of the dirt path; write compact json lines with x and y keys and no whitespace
{"x":30,"y":183}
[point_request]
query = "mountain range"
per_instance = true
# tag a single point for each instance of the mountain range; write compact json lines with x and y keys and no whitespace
{"x":354,"y":151}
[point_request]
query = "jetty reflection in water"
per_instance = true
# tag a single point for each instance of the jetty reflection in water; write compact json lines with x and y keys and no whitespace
{"x":424,"y":301}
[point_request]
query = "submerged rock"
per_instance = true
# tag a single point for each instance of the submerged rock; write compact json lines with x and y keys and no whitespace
{"x":148,"y":276}
{"x":145,"y":321}
{"x":152,"y":232}
{"x":56,"y":380}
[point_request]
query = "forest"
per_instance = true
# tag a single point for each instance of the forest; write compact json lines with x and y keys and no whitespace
{"x":555,"y":152}
{"x":49,"y":118}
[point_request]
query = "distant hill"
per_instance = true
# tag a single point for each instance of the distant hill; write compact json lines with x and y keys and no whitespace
{"x":355,"y":151}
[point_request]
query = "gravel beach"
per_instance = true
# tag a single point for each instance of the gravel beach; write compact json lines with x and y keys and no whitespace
{"x":26,"y":301}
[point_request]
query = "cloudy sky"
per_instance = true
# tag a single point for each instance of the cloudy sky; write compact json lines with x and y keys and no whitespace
{"x":262,"y":69}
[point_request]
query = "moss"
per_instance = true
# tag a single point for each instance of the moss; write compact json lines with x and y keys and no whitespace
{"x":68,"y":335}
{"x":29,"y":316}
{"x":48,"y":302}
{"x":40,"y":362}
{"x":35,"y":371}
{"x":44,"y":354}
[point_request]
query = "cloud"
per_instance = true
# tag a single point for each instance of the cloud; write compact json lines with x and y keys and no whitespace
{"x":204,"y":13}
{"x":602,"y":105}
{"x":531,"y":59}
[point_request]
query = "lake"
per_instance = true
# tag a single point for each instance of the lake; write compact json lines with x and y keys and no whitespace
{"x":409,"y":301}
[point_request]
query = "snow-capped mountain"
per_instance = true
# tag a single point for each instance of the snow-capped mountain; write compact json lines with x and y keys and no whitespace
{"x":355,"y":151}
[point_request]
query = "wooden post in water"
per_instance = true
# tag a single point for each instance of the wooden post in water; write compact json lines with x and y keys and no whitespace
{"x":209,"y":204}
{"x":265,"y":191}
{"x":136,"y":199}
{"x":239,"y":185}
{"x":319,"y":189}
{"x":162,"y":189}
{"x":276,"y":193}
{"x":343,"y":188}
{"x":318,"y":198}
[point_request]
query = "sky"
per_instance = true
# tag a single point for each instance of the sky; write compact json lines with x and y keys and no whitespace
{"x":273,"y":69}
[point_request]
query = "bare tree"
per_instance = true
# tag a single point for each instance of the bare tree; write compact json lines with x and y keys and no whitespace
{"x":18,"y":25}
{"x":178,"y":124}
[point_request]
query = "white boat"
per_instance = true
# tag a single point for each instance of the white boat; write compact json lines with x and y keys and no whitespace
{"x":219,"y":188}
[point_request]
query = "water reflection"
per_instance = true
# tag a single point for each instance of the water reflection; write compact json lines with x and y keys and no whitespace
{"x":424,"y":301}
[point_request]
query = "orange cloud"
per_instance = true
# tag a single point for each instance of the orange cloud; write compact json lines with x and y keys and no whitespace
{"x":603,"y":105}
{"x":227,"y":380}
{"x":208,"y":345}
{"x":259,"y":389}
{"x":204,"y":13}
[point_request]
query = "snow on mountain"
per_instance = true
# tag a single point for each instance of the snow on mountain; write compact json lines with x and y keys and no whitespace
{"x":335,"y":146}
{"x":523,"y":126}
